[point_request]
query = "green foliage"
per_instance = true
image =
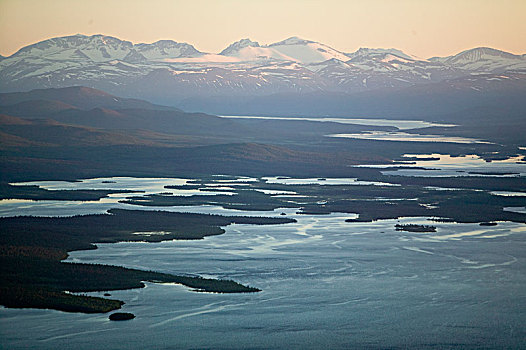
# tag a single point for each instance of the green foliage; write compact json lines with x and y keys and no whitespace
{"x":31,"y":250}
{"x":8,"y":191}
{"x":244,"y":199}
{"x":415,"y":228}
{"x":16,"y":296}
{"x":121,"y":316}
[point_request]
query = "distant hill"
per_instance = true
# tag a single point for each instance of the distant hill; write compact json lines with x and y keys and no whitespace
{"x":58,"y":138}
{"x":74,"y":106}
{"x":423,"y":102}
{"x":34,"y":108}
{"x":18,"y":132}
{"x":75,"y":96}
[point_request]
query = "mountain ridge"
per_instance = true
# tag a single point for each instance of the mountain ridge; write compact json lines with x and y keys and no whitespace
{"x":116,"y":43}
{"x":76,"y":97}
{"x":168,"y":72}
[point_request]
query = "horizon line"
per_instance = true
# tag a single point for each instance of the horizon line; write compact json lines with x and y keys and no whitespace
{"x":261,"y":45}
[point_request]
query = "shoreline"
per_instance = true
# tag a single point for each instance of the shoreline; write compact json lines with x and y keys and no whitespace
{"x":32,"y":250}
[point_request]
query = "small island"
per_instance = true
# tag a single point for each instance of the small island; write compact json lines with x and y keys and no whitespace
{"x":492,"y":173}
{"x":415,"y":228}
{"x":488,"y":223}
{"x":121,"y":316}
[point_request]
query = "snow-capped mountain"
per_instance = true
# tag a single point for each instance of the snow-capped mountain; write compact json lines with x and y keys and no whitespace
{"x":234,"y":48}
{"x":306,"y":51}
{"x":97,"y":48}
{"x":381,"y":54}
{"x":167,"y":71}
{"x":163,"y":49}
{"x":102,"y":48}
{"x":246,"y":50}
{"x":292,"y":49}
{"x":484,"y":60}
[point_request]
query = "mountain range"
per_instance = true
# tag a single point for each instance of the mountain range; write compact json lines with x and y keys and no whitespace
{"x":175,"y":73}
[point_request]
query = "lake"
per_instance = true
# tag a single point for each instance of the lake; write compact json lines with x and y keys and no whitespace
{"x":446,"y":165}
{"x":406,"y":137}
{"x":326,"y":283}
{"x":400,"y":124}
{"x":378,"y":135}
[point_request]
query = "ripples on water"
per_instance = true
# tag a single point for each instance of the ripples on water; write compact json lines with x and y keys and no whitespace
{"x":400,"y":124}
{"x":326,"y":283}
{"x":403,"y":136}
{"x":446,"y":165}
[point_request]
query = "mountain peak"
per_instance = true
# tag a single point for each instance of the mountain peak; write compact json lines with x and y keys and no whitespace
{"x":104,"y":48}
{"x":166,"y":43}
{"x":176,"y":71}
{"x":484,"y":59}
{"x":293,"y":40}
{"x":380,"y":53}
{"x":238,"y":45}
{"x":480,"y":53}
{"x":93,"y":48}
{"x":165,"y":49}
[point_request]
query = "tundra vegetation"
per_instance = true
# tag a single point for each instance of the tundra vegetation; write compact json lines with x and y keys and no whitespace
{"x":31,"y":250}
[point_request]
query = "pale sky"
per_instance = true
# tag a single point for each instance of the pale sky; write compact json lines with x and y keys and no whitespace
{"x":424,"y":28}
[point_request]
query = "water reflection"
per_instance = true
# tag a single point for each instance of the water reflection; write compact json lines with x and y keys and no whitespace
{"x":323,"y":181}
{"x":400,"y":124}
{"x":436,"y":164}
{"x":403,"y":136}
{"x":326,"y":283}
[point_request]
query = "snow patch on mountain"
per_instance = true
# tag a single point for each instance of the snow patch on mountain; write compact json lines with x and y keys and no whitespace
{"x":481,"y":53}
{"x":246,"y":50}
{"x":163,"y":49}
{"x":306,"y":51}
{"x":484,"y":59}
{"x":233,"y":48}
{"x":210,"y":58}
{"x":134,"y":57}
{"x":97,"y":47}
{"x":378,"y":53}
{"x":291,"y":49}
{"x":243,"y":68}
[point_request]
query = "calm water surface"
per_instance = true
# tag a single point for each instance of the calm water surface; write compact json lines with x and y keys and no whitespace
{"x":446,"y":165}
{"x":326,"y":283}
{"x":404,"y":136}
{"x":400,"y":124}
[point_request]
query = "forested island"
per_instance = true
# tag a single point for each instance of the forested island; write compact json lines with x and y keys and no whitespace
{"x":415,"y":228}
{"x":32,"y":249}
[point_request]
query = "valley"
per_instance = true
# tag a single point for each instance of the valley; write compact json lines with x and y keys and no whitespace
{"x":290,"y":193}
